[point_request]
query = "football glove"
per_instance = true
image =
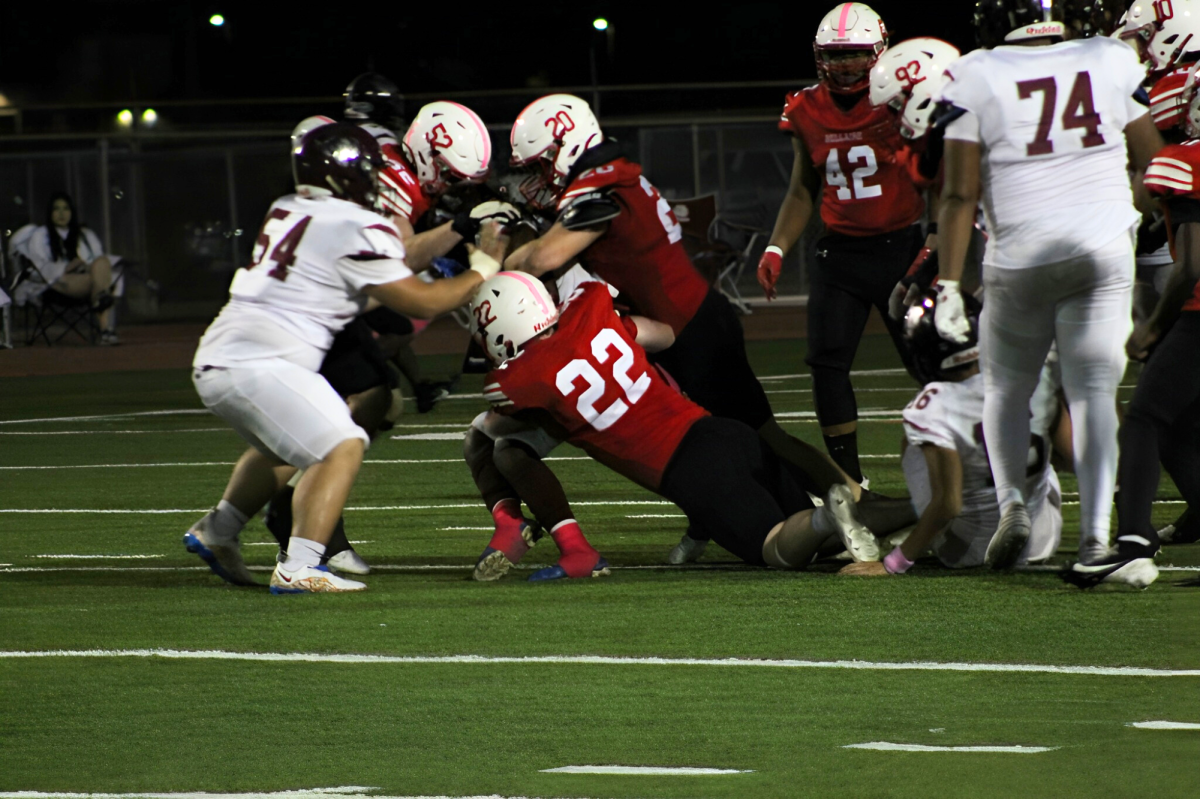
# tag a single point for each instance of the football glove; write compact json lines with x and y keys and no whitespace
{"x":465,"y":225}
{"x":769,"y":267}
{"x":949,"y":317}
{"x":505,"y":213}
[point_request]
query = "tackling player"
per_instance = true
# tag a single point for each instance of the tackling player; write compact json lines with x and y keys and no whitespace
{"x":321,"y":254}
{"x":1042,"y":132}
{"x":584,"y":368}
{"x":852,"y":154}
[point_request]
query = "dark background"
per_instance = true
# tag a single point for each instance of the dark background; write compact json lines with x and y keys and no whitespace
{"x":117,"y":50}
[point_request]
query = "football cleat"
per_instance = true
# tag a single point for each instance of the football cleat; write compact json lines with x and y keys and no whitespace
{"x":349,"y":562}
{"x":1137,"y":572}
{"x":557,"y":572}
{"x":495,"y":563}
{"x":1184,"y":530}
{"x":430,"y":393}
{"x":688,"y":550}
{"x":1010,"y":538}
{"x":1093,"y":551}
{"x":858,"y":540}
{"x":223,"y":557}
{"x":311,"y":580}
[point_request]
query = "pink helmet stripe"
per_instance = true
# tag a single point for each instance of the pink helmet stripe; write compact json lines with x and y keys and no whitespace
{"x":483,"y":132}
{"x":843,"y":19}
{"x":528,"y":280}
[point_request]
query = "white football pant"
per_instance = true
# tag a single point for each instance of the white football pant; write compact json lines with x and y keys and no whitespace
{"x":1083,"y":304}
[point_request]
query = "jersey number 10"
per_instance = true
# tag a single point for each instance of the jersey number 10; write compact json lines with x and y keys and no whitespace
{"x":566,"y":379}
{"x":1079,"y":113}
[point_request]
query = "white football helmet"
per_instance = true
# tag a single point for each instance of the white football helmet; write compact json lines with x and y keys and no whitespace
{"x":556,"y":130}
{"x":908,"y":77}
{"x":1164,"y":31}
{"x":508,"y":311}
{"x":847,"y":28}
{"x":306,"y":126}
{"x":447,"y":140}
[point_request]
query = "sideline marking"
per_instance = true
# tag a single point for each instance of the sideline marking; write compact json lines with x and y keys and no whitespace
{"x":1164,"y":725}
{"x":605,"y":660}
{"x":654,"y":771}
{"x":884,"y":746}
{"x":101,"y":557}
{"x":450,"y":506}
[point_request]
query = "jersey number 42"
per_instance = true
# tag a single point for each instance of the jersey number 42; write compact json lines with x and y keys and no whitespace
{"x":566,"y":381}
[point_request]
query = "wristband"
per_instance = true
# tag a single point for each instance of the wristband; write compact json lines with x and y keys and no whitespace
{"x":773,"y":249}
{"x":896,"y":563}
{"x":484,"y":264}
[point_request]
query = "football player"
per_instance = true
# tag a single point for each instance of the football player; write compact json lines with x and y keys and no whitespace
{"x":614,"y":222}
{"x":585,"y":370}
{"x":1042,"y":133}
{"x":322,"y":254}
{"x":945,"y":460}
{"x":1160,"y":421}
{"x":852,"y":154}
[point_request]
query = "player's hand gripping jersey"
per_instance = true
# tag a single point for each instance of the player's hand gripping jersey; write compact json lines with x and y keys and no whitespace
{"x":313,"y":258}
{"x":1051,"y":123}
{"x":1171,"y":177}
{"x":399,"y":190}
{"x":595,"y":381}
{"x":640,"y":254}
{"x":863,"y":159}
{"x":949,"y":414}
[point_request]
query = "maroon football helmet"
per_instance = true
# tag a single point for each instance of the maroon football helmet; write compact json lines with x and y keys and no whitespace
{"x":340,"y":158}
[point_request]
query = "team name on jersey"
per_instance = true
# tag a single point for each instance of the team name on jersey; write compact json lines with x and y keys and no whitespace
{"x":834,"y":138}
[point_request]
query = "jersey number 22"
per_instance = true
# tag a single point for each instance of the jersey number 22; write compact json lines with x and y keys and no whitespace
{"x":633,"y":389}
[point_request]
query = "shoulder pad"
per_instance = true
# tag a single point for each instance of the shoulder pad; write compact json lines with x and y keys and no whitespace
{"x":589,"y":210}
{"x":1172,"y":171}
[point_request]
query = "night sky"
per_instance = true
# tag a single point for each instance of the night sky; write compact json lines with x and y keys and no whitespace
{"x":115,"y":50}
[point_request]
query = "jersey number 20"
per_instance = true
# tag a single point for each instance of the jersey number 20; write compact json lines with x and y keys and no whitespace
{"x":633,"y":389}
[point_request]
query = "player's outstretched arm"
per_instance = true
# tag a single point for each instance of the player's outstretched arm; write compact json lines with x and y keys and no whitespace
{"x":414,"y":297}
{"x":1181,"y":284}
{"x":556,"y":247}
{"x":652,"y":336}
{"x":945,"y":480}
{"x":421,"y":248}
{"x":793,"y":217}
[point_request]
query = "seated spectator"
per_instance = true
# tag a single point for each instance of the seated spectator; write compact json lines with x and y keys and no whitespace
{"x":72,"y":261}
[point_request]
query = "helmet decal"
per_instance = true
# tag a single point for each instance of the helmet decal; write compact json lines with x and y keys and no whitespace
{"x":561,"y":124}
{"x":438,"y":137}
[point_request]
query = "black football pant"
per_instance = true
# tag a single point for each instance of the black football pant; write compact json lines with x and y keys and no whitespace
{"x":1161,"y":425}
{"x":848,"y":276}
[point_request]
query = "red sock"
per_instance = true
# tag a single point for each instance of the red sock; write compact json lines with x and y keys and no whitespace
{"x":578,"y":556}
{"x":507,"y":537}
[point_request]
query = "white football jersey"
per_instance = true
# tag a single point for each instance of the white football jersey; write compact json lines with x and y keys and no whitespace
{"x":1051,"y":123}
{"x":950,"y":415}
{"x":313,"y":258}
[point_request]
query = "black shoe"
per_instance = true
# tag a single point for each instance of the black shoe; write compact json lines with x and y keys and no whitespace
{"x":1132,"y":564}
{"x":104,"y":301}
{"x":1184,"y":530}
{"x":430,"y":393}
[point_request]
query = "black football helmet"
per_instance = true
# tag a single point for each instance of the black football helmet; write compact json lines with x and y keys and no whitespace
{"x":996,"y":19}
{"x":931,"y":357}
{"x":373,"y":98}
{"x":340,"y":158}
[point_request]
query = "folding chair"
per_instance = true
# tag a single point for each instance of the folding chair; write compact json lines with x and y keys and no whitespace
{"x":718,"y":260}
{"x":43,"y":307}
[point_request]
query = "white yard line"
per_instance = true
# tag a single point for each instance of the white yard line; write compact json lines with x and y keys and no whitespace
{"x":1164,"y":725}
{"x":99,"y":557}
{"x":603,"y":660}
{"x":351,"y":509}
{"x":383,"y":462}
{"x":112,"y":432}
{"x":182,"y":412}
{"x":884,"y":746}
{"x":648,"y":771}
{"x":303,"y":793}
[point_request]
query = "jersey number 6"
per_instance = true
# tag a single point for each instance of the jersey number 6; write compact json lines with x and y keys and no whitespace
{"x":566,"y":379}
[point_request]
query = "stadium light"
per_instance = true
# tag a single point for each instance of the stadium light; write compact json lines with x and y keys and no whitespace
{"x":149,"y":117}
{"x":216,"y":20}
{"x":125,"y":118}
{"x":600,"y":24}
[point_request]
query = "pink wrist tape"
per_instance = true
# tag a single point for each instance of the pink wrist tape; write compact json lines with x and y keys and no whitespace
{"x":896,"y":563}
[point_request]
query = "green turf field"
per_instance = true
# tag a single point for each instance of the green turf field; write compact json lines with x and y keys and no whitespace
{"x":628,"y":672}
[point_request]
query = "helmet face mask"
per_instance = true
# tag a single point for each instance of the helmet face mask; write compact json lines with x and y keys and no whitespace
{"x":849,"y":40}
{"x":371,"y":97}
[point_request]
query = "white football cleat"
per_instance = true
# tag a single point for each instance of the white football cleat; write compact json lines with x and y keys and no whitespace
{"x":688,"y":550}
{"x":350,"y":562}
{"x":223,"y":557}
{"x":311,"y":580}
{"x":841,"y":509}
{"x":1010,"y":538}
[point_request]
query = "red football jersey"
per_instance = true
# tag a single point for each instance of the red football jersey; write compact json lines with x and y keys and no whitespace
{"x":595,"y":381}
{"x":641,"y":254}
{"x":861,"y":155}
{"x":1173,"y":173}
{"x":399,"y":189}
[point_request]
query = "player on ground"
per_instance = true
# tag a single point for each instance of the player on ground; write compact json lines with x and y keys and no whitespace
{"x":1042,"y":133}
{"x":321,"y":255}
{"x":585,"y":369}
{"x":945,"y":461}
{"x":613,"y":221}
{"x":1161,"y":420}
{"x":852,"y":154}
